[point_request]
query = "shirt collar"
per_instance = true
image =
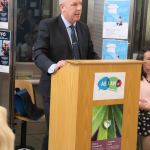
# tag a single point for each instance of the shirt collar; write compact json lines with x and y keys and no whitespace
{"x":66,"y":22}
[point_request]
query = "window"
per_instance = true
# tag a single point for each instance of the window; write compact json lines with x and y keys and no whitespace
{"x":29,"y":14}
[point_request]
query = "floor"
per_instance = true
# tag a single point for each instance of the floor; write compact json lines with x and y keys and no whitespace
{"x":35,"y":133}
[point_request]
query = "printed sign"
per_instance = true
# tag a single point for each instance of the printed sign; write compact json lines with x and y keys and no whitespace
{"x":116,"y":18}
{"x":4,"y":51}
{"x":107,"y":127}
{"x":4,"y":14}
{"x":109,"y":86}
{"x":114,"y":49}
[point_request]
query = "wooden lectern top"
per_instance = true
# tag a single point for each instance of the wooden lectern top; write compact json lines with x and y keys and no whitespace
{"x":94,"y":62}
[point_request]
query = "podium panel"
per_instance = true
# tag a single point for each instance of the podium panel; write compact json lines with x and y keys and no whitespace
{"x":84,"y":88}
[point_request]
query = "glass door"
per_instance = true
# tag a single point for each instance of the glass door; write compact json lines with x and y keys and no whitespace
{"x":29,"y":14}
{"x":141,"y":26}
{"x":146,"y":39}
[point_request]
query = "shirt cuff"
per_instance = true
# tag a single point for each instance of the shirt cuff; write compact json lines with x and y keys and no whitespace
{"x":51,"y":69}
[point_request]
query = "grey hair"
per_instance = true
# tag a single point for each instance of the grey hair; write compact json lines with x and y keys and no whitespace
{"x":61,"y":1}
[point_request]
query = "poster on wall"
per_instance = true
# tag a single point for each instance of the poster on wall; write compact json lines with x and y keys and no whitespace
{"x":116,"y":19}
{"x":114,"y":49}
{"x":4,"y":14}
{"x":4,"y":51}
{"x":107,"y":127}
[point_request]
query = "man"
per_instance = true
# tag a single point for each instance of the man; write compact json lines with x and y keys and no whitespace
{"x":57,"y":41}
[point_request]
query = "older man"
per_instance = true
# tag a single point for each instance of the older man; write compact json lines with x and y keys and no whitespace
{"x":60,"y":38}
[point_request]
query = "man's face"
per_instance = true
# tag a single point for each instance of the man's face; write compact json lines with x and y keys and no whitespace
{"x":71,"y":10}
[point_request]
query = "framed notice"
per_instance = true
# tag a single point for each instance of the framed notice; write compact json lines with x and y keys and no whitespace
{"x":4,"y":14}
{"x":4,"y":51}
{"x":114,"y":49}
{"x":116,"y":19}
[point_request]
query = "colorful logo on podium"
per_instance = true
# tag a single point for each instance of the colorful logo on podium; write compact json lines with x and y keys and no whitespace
{"x":109,"y":83}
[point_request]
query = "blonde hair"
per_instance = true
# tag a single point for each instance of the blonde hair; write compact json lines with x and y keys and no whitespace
{"x":6,"y":135}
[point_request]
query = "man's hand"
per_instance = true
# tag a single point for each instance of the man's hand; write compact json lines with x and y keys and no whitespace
{"x":60,"y":64}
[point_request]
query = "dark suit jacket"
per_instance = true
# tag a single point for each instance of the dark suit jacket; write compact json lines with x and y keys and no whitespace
{"x":53,"y":44}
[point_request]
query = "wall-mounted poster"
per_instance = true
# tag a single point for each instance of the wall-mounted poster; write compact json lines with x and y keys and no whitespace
{"x":4,"y":51}
{"x":107,"y":127}
{"x":4,"y":14}
{"x":114,"y":49}
{"x":116,"y":19}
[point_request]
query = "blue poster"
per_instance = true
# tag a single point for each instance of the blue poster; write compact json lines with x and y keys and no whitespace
{"x":114,"y":49}
{"x":116,"y":19}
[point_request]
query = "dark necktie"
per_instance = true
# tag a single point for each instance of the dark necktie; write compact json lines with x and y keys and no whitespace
{"x":75,"y":45}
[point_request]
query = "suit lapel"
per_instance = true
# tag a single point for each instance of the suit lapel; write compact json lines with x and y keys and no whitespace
{"x":65,"y":33}
{"x":67,"y":39}
{"x":80,"y":38}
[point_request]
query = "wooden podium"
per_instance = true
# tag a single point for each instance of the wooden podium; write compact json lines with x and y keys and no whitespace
{"x":72,"y":102}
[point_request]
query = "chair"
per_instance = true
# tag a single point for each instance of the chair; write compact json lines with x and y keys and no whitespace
{"x":7,"y":137}
{"x":23,"y":84}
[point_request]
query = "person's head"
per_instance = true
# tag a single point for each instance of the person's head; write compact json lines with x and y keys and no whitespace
{"x":4,"y":2}
{"x":71,"y":9}
{"x":145,"y":56}
{"x":22,"y":13}
{"x":5,"y":45}
{"x":28,"y":39}
{"x":29,"y":13}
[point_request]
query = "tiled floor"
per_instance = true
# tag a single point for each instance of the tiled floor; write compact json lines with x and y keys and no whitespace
{"x":35,"y":133}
